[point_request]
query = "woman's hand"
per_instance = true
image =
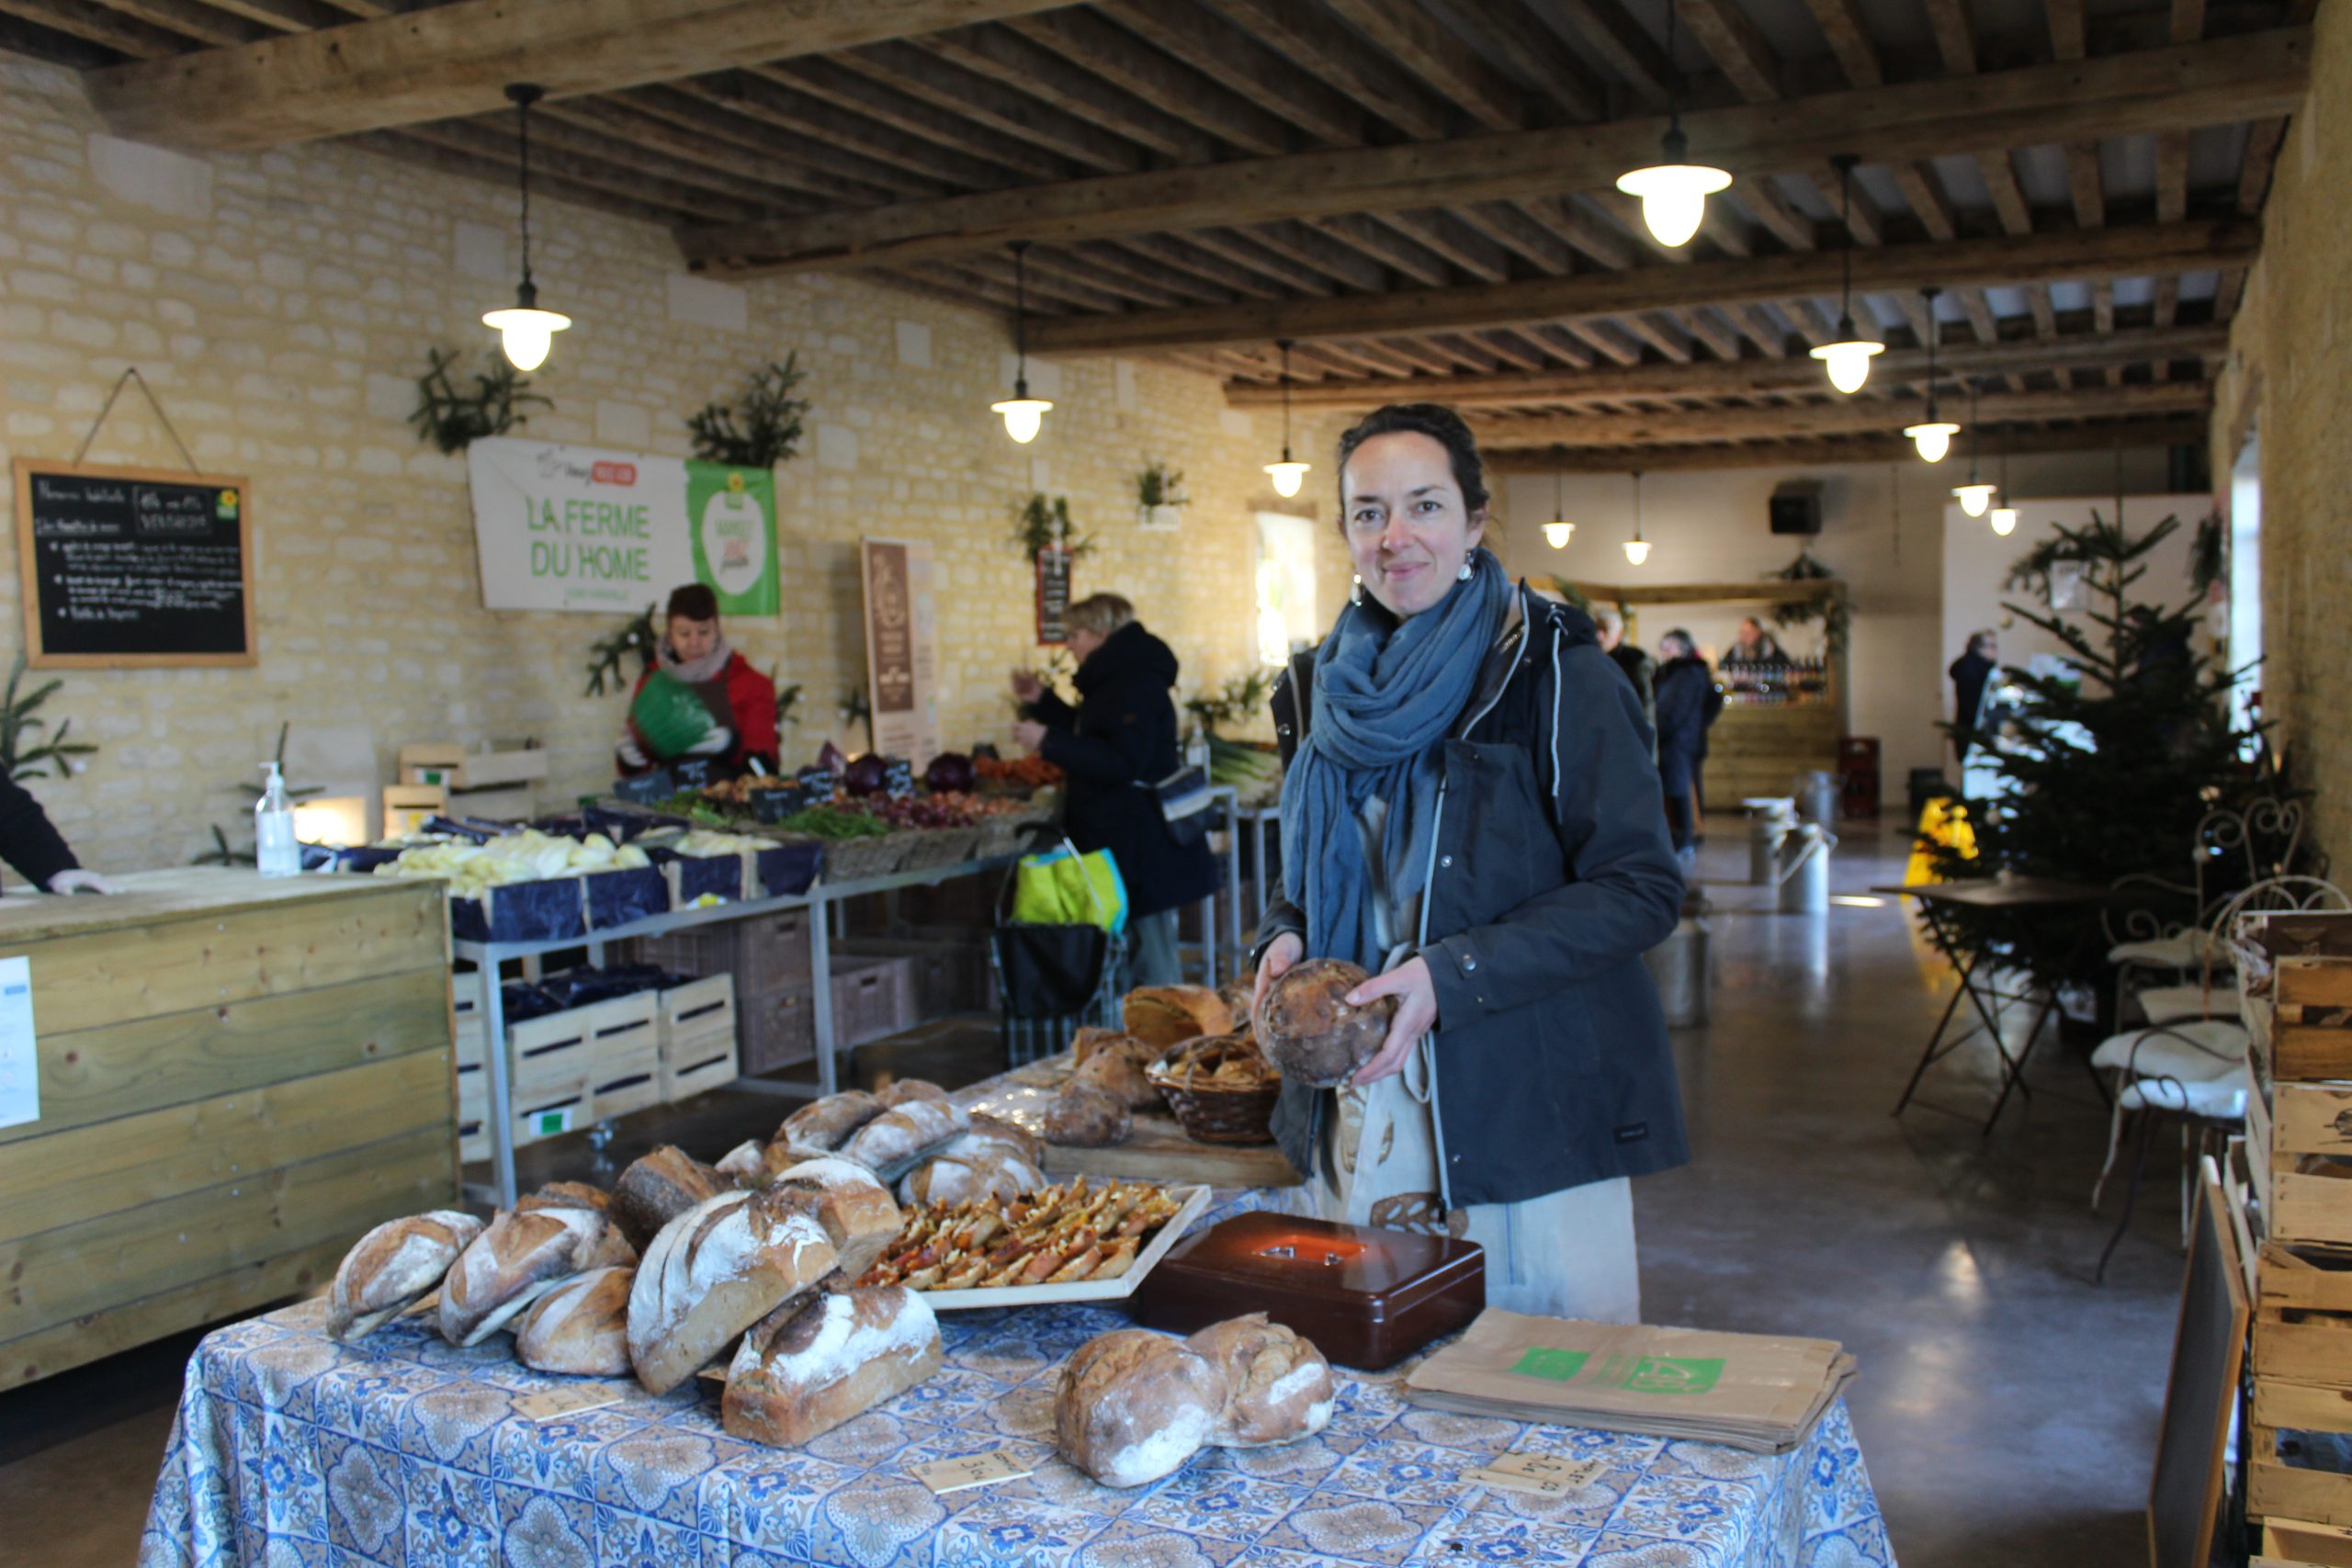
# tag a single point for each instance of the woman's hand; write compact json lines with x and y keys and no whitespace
{"x":1026,"y":686}
{"x":1029,"y":734}
{"x":1415,"y":992}
{"x":1280,"y":954}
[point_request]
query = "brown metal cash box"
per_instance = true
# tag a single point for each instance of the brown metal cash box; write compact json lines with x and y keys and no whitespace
{"x":1366,"y":1297}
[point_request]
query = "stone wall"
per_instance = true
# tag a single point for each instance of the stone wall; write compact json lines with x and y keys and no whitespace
{"x":2290,"y":377}
{"x":282,"y":304}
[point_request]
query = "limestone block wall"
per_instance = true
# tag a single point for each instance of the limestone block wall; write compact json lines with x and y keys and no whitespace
{"x":2290,"y":377}
{"x":282,"y":304}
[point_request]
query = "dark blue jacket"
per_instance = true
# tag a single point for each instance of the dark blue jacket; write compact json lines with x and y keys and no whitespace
{"x":1688,"y":702}
{"x":1123,"y":734}
{"x":1553,"y":877}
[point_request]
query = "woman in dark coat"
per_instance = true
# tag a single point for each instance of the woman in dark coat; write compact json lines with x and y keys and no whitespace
{"x":1118,"y":740}
{"x":1471,"y":812}
{"x":1688,"y":702}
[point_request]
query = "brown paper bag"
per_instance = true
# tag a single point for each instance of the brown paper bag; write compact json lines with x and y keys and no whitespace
{"x":1751,"y":1390}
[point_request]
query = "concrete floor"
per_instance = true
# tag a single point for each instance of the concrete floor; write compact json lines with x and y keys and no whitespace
{"x":2007,"y":1406}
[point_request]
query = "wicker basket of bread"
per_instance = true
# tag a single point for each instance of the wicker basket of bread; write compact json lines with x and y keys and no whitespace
{"x":1220,"y":1088}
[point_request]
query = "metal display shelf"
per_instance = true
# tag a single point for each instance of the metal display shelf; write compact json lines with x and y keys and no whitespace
{"x":493,"y":956}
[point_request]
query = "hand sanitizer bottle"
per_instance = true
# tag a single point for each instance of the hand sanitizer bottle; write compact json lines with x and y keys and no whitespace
{"x":275,"y":852}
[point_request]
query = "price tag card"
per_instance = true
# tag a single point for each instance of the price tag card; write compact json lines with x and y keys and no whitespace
{"x":946,"y":1475}
{"x":1541,"y":1474}
{"x":570,"y":1400}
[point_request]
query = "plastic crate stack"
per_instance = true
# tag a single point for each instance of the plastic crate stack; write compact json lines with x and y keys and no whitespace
{"x":2296,"y":975}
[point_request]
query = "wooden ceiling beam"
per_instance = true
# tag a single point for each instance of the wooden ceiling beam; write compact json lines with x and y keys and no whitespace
{"x":97,"y":24}
{"x":1013,"y":61}
{"x":1420,"y":43}
{"x":1954,"y":23}
{"x":1847,"y":416}
{"x":40,"y":41}
{"x":1318,"y":43}
{"x":870,"y":101}
{"x":2222,"y":81}
{"x":2083,"y":188}
{"x":1604,"y":27}
{"x":1740,"y":378}
{"x":1385,"y":244}
{"x":1456,"y":242}
{"x":1760,"y":196}
{"x":1849,"y":37}
{"x":1831,"y":451}
{"x":189,"y":19}
{"x":1318,"y":252}
{"x":1561,"y":82}
{"x":285,"y":16}
{"x":1215,"y":48}
{"x":906,"y":70}
{"x":409,"y":146}
{"x":456,"y":60}
{"x":826,"y":134}
{"x":2099,"y":254}
{"x":1135,"y":68}
{"x":1735,"y":44}
{"x":697,"y":122}
{"x":2065,"y":18}
{"x":599,"y":163}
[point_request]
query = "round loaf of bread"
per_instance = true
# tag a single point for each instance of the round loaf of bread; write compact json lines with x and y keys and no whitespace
{"x":998,"y":1133}
{"x":660,"y":1187}
{"x":1308,"y":1031}
{"x":389,"y":1270}
{"x":1083,"y":1116}
{"x":951,"y":1179}
{"x":826,"y":1123}
{"x":1117,"y":1068}
{"x":1159,"y":1016}
{"x":580,"y":1328}
{"x":1278,"y":1387}
{"x":1091,"y":1038}
{"x":1132,"y":1406}
{"x":905,"y":1089}
{"x":717,"y":1270}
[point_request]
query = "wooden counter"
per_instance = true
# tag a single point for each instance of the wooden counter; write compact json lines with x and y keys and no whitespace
{"x":238,"y":1076}
{"x":1755,"y":751}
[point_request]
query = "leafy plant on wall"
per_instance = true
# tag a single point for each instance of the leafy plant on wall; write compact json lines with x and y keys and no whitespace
{"x":22,"y":753}
{"x":763,"y":428}
{"x":1041,"y":522}
{"x":1834,"y":612}
{"x":453,"y":420}
{"x":1160,"y":485}
{"x":607,"y":655}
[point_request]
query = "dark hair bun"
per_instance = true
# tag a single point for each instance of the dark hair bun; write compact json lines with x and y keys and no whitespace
{"x":695,"y":601}
{"x":1441,"y":425}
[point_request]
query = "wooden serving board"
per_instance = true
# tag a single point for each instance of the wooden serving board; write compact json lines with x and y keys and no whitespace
{"x":1155,"y":1150}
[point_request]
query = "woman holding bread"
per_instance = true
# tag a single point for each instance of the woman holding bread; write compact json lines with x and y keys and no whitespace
{"x":1470,"y":813}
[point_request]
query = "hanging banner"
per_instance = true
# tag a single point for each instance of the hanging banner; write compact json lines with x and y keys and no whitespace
{"x":1053,"y":597}
{"x":901,"y":655}
{"x":582,"y":528}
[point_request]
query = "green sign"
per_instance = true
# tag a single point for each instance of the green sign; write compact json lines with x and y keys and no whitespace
{"x":731,"y":513}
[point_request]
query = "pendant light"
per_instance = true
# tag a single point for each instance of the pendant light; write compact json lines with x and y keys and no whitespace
{"x":526,"y":333}
{"x":1931,"y":435}
{"x":1637,"y":549}
{"x":1973,"y":497}
{"x":1848,"y":359}
{"x":1287,"y":475}
{"x":1022,"y":413}
{"x":1559,"y":531}
{"x":2005,"y":517}
{"x":1674,"y":191}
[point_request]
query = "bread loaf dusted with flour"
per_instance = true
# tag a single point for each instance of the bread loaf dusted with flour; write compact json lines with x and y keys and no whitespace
{"x":713,"y":1271}
{"x":390,"y":1269}
{"x":580,"y":1326}
{"x":1007,"y":1138}
{"x":515,"y":1260}
{"x":1117,"y":1069}
{"x":1132,"y":1406}
{"x":904,"y":1133}
{"x":828,"y":1357}
{"x":824,"y":1125}
{"x":1278,"y":1386}
{"x":857,"y":1212}
{"x":907,"y":1089}
{"x":959,"y":1174}
{"x":1082,"y":1115}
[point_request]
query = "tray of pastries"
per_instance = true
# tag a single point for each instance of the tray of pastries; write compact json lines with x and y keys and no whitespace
{"x":1078,"y":1241}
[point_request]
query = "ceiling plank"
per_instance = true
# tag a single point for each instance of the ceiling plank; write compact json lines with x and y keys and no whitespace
{"x":2263,"y":140}
{"x":2008,"y":197}
{"x":1955,"y":22}
{"x":1015,"y":62}
{"x":2065,"y":28}
{"x":2177,"y":430}
{"x":2099,"y":254}
{"x":456,"y":60}
{"x":192,"y":19}
{"x":904,"y":69}
{"x":1313,"y":41}
{"x":2083,"y":184}
{"x":1762,"y":198}
{"x":1849,"y":40}
{"x":1218,"y":48}
{"x":1421,"y":44}
{"x":1923,"y":190}
{"x":861,"y":96}
{"x":1604,"y":27}
{"x":1135,"y":68}
{"x":2223,"y":81}
{"x":1735,"y":44}
{"x":97,"y":24}
{"x":1846,"y":416}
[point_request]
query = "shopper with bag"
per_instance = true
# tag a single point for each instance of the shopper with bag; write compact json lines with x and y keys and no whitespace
{"x":1471,"y":814}
{"x":702,"y":699}
{"x":1114,"y":745}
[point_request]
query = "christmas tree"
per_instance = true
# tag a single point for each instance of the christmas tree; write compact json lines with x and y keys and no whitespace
{"x":2104,"y":769}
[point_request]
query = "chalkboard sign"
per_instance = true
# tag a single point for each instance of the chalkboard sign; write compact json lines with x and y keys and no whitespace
{"x":2201,"y":1396}
{"x":1052,"y":598}
{"x":133,"y":565}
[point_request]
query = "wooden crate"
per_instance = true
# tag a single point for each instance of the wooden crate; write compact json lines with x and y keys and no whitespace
{"x":766,"y":954}
{"x":706,"y":1064}
{"x":2277,"y":1486}
{"x":872,"y":997}
{"x":2302,"y":1315}
{"x":239,"y":1076}
{"x":776,"y":1031}
{"x":2298,"y":1543}
{"x":2307,"y":1187}
{"x":695,"y":1013}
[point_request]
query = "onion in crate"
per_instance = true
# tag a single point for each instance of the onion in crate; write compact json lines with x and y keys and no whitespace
{"x":1308,"y":1031}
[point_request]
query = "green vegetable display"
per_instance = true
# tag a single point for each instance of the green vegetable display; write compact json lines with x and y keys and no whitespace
{"x":824,"y":822}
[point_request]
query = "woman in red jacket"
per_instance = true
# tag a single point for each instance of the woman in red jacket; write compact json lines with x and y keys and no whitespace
{"x":741,"y":701}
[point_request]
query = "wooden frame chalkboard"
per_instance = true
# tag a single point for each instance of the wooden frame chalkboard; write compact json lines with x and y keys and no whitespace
{"x":140,"y":532}
{"x":2201,"y":1394}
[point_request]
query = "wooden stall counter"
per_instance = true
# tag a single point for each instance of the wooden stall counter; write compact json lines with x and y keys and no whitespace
{"x":236,"y":1077}
{"x":1757,"y":750}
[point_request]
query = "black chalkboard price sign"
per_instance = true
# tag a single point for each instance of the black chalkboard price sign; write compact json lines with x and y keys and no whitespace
{"x":129,"y":567}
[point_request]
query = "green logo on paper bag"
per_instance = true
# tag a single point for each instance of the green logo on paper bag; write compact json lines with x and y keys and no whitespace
{"x":1674,"y":1374}
{"x":1557,"y":1366}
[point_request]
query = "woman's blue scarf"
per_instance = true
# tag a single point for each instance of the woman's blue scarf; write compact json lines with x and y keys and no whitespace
{"x":1385,"y":696}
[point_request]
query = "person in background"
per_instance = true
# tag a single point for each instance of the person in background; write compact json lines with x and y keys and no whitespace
{"x":1754,"y":645}
{"x":1637,"y":667}
{"x":1687,"y":703}
{"x":1114,"y":745}
{"x":31,"y":843}
{"x":1474,"y":819}
{"x":741,"y":701}
{"x":1970,"y":673}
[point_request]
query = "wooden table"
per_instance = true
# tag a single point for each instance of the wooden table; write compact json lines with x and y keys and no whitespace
{"x":237,"y":1076}
{"x":2015,"y":895}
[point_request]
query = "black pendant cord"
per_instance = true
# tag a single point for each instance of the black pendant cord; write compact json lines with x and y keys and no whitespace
{"x":1559,"y":514}
{"x":1284,"y":346}
{"x":1021,"y":319}
{"x":1933,"y":334}
{"x":524,"y":94}
{"x":1846,"y":251}
{"x":1975,"y":436}
{"x":1637,"y":504}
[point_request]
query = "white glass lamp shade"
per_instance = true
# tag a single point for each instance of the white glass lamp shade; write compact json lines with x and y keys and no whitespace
{"x":1933,"y":438}
{"x":2005,"y":521}
{"x":1848,"y":363}
{"x":1287,"y":476}
{"x":1674,"y":197}
{"x":1637,"y":550}
{"x":526,"y":333}
{"x":1557,"y":535}
{"x":1023,"y":417}
{"x":1974,"y":498}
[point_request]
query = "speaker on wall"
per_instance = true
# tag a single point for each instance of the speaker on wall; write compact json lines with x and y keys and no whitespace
{"x":1795,"y":507}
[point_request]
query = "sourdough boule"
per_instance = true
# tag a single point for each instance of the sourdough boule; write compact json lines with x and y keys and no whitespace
{"x":1132,"y":1406}
{"x":1308,"y":1031}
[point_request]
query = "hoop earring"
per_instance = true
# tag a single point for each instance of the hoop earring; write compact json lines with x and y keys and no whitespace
{"x":1355,"y":593}
{"x":1463,"y":575}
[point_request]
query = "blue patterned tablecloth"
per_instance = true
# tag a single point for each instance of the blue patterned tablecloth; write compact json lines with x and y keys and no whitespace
{"x":289,"y":1450}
